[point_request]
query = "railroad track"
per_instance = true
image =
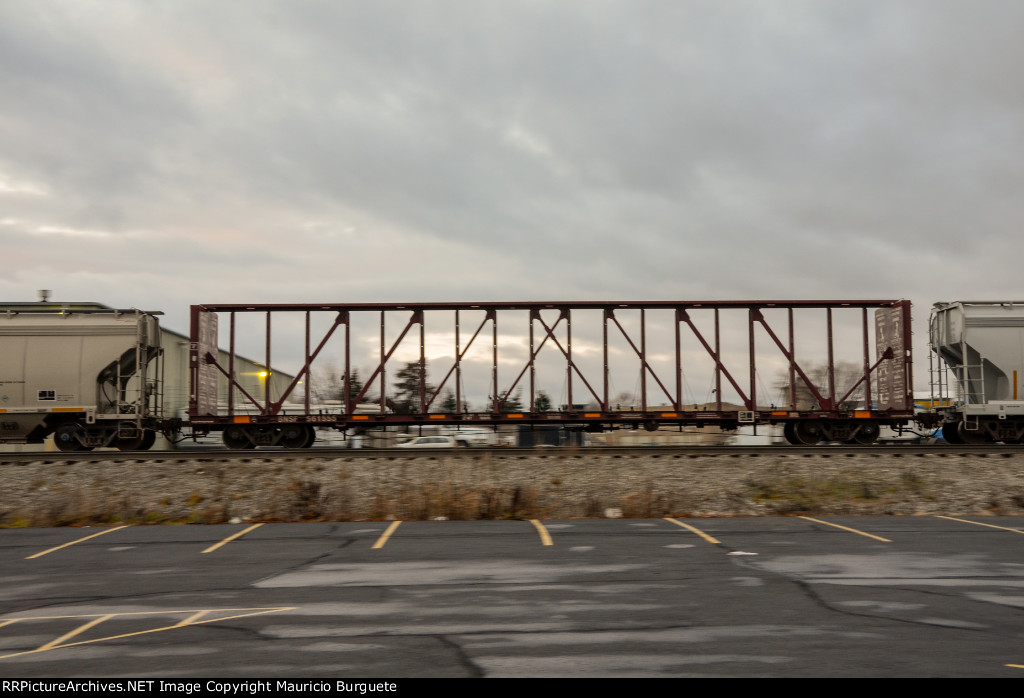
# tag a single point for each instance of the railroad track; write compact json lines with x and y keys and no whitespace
{"x":276,"y":454}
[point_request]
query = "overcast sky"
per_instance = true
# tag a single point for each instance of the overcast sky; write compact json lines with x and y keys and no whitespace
{"x":158,"y":154}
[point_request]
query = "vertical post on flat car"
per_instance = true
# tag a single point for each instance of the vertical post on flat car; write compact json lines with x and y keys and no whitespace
{"x":383,"y":396}
{"x":604,"y":355}
{"x":643,"y":360}
{"x":908,"y":362}
{"x":532,"y":367}
{"x":458,"y":367}
{"x":231,"y":365}
{"x":867,"y":361}
{"x":792,"y":363}
{"x":494,"y":360}
{"x":753,"y":368}
{"x":831,"y":363}
{"x":568,"y":353}
{"x":423,"y":363}
{"x":349,"y":397}
{"x":679,"y":367}
{"x":305,"y":393}
{"x":266,"y":383}
{"x":718,"y":365}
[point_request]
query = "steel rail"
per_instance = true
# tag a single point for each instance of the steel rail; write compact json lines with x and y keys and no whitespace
{"x":275,"y":454}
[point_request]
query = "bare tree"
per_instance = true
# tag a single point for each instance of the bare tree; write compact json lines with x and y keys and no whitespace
{"x":328,"y":383}
{"x":623,"y":401}
{"x":845,"y":376}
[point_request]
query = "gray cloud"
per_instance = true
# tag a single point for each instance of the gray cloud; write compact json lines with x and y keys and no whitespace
{"x":163,"y":154}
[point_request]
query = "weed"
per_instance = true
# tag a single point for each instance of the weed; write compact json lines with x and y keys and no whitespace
{"x":795,"y":494}
{"x":307,"y":503}
{"x":644,"y":504}
{"x":16,"y":522}
{"x":593,"y":508}
{"x":912,"y":480}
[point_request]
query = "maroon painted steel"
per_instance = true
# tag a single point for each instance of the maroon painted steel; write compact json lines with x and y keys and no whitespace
{"x":558,"y":337}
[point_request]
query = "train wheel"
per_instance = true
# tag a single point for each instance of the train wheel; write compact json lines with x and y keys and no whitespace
{"x":951,"y":433}
{"x":236,"y":438}
{"x":139,"y":443}
{"x":66,"y":438}
{"x":134,"y":444}
{"x":807,"y":433}
{"x":971,"y":437}
{"x":788,"y":432}
{"x":867,"y":433}
{"x":298,"y":436}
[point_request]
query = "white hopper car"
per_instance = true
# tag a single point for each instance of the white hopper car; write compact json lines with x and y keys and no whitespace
{"x":89,"y":377}
{"x":981,"y":399}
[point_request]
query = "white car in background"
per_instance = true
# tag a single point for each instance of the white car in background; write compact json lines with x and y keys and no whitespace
{"x":434,"y":442}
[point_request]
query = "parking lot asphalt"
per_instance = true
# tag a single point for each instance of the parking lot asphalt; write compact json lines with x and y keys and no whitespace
{"x":791,"y":596}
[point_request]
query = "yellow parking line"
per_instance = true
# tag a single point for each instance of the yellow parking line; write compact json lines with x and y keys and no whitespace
{"x":384,"y":536}
{"x":851,"y":530}
{"x":977,"y":523}
{"x":191,"y":619}
{"x":50,"y":646}
{"x":545,"y":537}
{"x":690,"y":528}
{"x":231,"y":538}
{"x":77,"y":631}
{"x":47,"y":552}
{"x":1016,"y":666}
